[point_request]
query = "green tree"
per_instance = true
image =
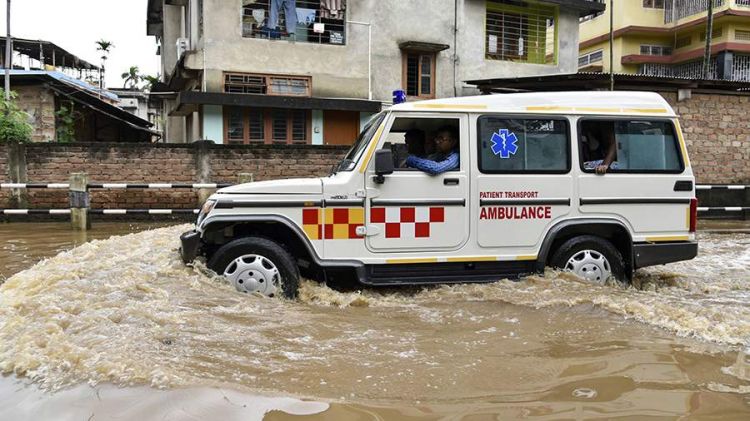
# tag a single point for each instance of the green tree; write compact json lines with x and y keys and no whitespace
{"x":151,"y":81}
{"x":132,"y":76}
{"x":13,"y":121}
{"x":105,"y":47}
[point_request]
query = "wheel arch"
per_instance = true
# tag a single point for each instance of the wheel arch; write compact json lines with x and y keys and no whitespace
{"x":611,"y":230}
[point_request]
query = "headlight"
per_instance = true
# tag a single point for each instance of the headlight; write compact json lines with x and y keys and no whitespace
{"x":207,"y":207}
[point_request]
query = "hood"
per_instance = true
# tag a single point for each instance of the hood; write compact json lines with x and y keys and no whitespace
{"x":290,"y":186}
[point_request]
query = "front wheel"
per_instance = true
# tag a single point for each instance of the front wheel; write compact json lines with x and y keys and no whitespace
{"x":591,"y":258}
{"x":256,"y":264}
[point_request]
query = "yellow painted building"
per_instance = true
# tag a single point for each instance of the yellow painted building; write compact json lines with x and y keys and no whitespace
{"x":668,"y":38}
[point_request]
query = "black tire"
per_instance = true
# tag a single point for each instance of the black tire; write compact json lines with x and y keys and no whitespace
{"x":288,"y":270}
{"x":599,"y":245}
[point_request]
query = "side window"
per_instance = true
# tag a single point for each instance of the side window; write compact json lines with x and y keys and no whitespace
{"x":643,"y":146}
{"x":520,"y":145}
{"x":433,"y":139}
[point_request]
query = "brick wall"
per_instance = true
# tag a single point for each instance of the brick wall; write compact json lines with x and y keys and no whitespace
{"x":139,"y":163}
{"x":717,"y":133}
{"x":39,"y":103}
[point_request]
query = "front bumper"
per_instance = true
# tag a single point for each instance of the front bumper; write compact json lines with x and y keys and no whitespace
{"x":662,"y":253}
{"x":190,"y":243}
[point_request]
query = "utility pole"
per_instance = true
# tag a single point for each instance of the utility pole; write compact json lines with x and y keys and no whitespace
{"x":611,"y":45}
{"x":709,"y":30}
{"x":8,"y":57}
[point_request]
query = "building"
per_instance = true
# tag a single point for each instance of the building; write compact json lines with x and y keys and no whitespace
{"x":243,"y":72}
{"x":62,"y":107}
{"x":141,"y":104}
{"x":668,"y":38}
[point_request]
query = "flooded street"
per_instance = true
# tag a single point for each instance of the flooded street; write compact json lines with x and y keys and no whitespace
{"x":125,"y":311}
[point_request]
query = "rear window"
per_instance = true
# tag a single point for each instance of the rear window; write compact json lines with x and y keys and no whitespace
{"x":633,"y":146}
{"x":523,"y":145}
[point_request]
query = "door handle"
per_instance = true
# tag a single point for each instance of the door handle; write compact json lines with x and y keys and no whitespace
{"x":450,"y":181}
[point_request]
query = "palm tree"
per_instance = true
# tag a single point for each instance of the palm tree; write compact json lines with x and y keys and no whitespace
{"x":151,"y":80}
{"x":132,"y":76}
{"x":103,"y":46}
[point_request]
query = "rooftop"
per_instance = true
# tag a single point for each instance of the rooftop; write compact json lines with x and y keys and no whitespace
{"x":52,"y":54}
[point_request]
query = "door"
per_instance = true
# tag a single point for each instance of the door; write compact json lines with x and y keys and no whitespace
{"x":340,"y":127}
{"x":412,"y":210}
{"x":641,"y":185}
{"x":524,"y":184}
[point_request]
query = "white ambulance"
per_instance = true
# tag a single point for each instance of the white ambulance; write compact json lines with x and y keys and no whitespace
{"x":597,"y":183}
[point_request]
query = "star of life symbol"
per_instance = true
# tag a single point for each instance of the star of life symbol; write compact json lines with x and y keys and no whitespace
{"x":504,"y":143}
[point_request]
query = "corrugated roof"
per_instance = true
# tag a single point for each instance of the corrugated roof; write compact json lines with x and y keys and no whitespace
{"x":53,"y":54}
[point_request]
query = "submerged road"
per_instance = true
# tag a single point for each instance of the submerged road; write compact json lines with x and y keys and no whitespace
{"x":124,"y":311}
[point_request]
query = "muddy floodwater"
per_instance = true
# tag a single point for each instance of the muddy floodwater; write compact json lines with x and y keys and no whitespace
{"x":119,"y":328}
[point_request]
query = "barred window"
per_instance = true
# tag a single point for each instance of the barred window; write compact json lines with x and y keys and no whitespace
{"x":247,"y":83}
{"x":715,"y":33}
{"x":419,"y":72}
{"x":653,"y":4}
{"x":682,"y":42}
{"x":590,"y":58}
{"x":741,"y":35}
{"x":656,"y":50}
{"x":520,"y":31}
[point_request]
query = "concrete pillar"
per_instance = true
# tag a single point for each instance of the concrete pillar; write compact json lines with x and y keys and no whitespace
{"x":213,"y":123}
{"x":17,"y":173}
{"x":245,"y":177}
{"x":79,"y":201}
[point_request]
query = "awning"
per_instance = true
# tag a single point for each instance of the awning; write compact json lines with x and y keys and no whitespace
{"x":190,"y":101}
{"x":427,"y":47}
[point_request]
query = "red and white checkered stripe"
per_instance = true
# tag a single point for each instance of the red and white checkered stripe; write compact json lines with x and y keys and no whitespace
{"x":407,"y":222}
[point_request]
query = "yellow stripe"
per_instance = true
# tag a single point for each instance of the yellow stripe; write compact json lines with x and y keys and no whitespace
{"x":548,"y":108}
{"x":371,"y":149}
{"x":401,"y":261}
{"x":451,"y":106}
{"x":527,"y":257}
{"x":472,"y":259}
{"x":687,"y":218}
{"x":645,"y":110}
{"x":668,"y":238}
{"x":599,"y":110}
{"x":685,"y":157}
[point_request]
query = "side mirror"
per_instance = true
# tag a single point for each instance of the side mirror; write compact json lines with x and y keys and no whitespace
{"x":383,"y":164}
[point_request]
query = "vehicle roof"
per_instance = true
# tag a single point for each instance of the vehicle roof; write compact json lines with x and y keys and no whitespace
{"x":592,"y":102}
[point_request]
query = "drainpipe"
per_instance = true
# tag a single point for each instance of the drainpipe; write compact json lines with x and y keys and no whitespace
{"x":455,"y":47}
{"x":369,"y":55}
{"x":8,"y":57}
{"x":611,"y":45}
{"x":709,"y":30}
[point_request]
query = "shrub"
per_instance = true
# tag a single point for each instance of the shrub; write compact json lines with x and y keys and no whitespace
{"x":13,"y":121}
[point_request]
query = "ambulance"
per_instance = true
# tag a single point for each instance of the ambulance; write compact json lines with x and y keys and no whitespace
{"x":526,"y":194}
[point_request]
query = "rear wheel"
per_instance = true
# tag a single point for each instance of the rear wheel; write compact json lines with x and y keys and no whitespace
{"x":259,"y":265}
{"x":592,"y":258}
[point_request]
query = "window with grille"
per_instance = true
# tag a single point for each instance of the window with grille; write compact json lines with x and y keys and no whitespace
{"x":313,"y":21}
{"x":520,"y":31}
{"x":715,"y":33}
{"x":419,"y":74}
{"x":741,"y":35}
{"x":590,"y":58}
{"x":653,"y":4}
{"x":656,"y":50}
{"x":247,"y":83}
{"x":266,"y":125}
{"x":682,"y":42}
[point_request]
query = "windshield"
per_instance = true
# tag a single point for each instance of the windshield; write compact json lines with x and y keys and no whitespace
{"x":351,"y":158}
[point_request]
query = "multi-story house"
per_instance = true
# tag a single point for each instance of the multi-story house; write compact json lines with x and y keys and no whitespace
{"x":311,"y":71}
{"x":668,"y":38}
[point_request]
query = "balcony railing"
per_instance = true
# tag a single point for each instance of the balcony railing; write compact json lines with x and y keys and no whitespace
{"x":675,"y":10}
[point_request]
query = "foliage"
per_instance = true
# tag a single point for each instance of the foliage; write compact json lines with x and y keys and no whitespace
{"x":132,"y":76}
{"x":104,"y":46}
{"x":66,"y":118}
{"x":151,"y":80}
{"x":13,"y":122}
